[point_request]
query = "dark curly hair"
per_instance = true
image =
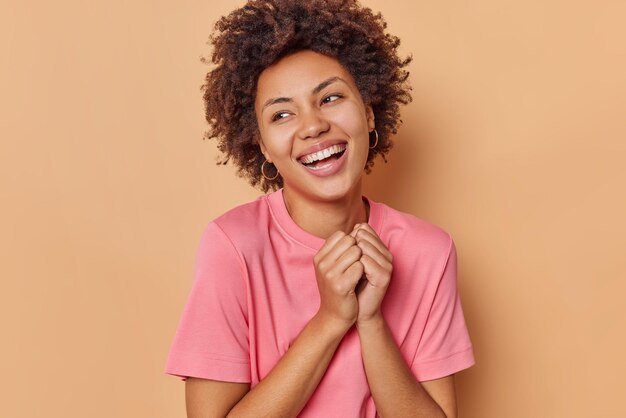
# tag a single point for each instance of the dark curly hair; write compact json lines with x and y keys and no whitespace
{"x":252,"y":38}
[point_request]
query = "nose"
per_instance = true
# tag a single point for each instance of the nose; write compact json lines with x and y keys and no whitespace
{"x":312,"y":124}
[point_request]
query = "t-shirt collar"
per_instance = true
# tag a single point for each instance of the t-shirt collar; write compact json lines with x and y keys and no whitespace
{"x":286,"y":223}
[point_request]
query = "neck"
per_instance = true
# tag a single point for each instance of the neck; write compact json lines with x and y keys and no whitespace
{"x":324,"y":218}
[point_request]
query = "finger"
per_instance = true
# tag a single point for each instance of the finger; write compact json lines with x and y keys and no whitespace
{"x":367,"y":227}
{"x":364,"y":234}
{"x":341,"y":256}
{"x":374,"y":253}
{"x":329,"y":244}
{"x":364,"y":225}
{"x":341,"y":247}
{"x":345,"y":261}
{"x":353,"y":274}
{"x":376,"y":275}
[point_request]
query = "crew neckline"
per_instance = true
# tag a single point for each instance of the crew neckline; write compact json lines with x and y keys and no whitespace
{"x":283,"y":219}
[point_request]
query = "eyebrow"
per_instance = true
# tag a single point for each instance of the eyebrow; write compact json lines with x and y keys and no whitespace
{"x":321,"y":86}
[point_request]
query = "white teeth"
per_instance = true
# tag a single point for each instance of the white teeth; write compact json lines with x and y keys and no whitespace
{"x":325,"y":153}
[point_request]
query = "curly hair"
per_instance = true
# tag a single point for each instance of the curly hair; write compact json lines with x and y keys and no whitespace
{"x":253,"y":37}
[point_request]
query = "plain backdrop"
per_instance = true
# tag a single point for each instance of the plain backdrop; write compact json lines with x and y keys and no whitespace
{"x":514,"y":143}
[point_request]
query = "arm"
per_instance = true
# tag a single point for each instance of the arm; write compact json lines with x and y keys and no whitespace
{"x":290,"y":384}
{"x":283,"y":392}
{"x":212,"y":398}
{"x":395,"y":390}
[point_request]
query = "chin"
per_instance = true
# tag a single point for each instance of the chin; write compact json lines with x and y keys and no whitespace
{"x":336,"y":192}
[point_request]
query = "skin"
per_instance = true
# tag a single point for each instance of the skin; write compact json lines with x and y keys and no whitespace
{"x":320,"y":206}
{"x":303,"y":100}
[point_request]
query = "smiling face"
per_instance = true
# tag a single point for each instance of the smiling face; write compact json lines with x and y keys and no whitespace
{"x":314,"y":126}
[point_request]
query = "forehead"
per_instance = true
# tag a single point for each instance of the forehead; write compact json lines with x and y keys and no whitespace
{"x":299,"y":73}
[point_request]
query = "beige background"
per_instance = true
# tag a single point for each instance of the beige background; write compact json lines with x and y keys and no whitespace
{"x":514,"y":143}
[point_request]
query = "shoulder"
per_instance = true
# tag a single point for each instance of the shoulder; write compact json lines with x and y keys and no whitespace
{"x":413,"y":235}
{"x":241,"y":226}
{"x":243,"y":216}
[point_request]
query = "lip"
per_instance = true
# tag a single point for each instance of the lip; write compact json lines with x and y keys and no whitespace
{"x":332,"y":167}
{"x":321,"y":146}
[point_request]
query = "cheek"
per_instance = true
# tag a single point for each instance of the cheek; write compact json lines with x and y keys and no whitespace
{"x":353,"y":121}
{"x":276,"y":140}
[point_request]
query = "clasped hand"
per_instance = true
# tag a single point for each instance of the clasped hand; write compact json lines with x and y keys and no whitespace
{"x":353,"y":272}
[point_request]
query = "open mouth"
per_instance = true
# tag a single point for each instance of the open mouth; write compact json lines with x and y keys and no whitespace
{"x":320,"y":159}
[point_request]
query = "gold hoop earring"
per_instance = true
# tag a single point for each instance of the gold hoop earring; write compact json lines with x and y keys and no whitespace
{"x":376,"y":142}
{"x":265,"y":175}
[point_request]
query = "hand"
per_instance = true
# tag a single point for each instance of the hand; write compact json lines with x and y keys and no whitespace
{"x":377,"y":266}
{"x":338,"y":269}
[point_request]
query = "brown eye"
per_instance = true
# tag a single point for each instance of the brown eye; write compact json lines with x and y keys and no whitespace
{"x":331,"y":98}
{"x":279,"y":115}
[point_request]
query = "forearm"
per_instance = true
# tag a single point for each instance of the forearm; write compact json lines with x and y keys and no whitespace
{"x":290,"y":384}
{"x":394,"y":388}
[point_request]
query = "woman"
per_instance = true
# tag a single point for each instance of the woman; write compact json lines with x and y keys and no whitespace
{"x":313,"y":300}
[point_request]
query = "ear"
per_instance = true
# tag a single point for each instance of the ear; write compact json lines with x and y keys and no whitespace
{"x":263,"y":149}
{"x":369,"y":114}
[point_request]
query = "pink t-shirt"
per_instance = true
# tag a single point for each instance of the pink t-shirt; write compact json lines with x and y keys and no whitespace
{"x":255,"y":290}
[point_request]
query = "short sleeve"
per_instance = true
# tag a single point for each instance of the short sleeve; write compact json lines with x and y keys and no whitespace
{"x":211,"y":341}
{"x":445,"y":347}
